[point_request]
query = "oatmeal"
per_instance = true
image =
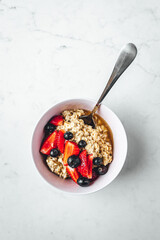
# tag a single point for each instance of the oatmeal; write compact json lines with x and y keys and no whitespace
{"x":98,"y":140}
{"x":56,"y":166}
{"x":74,"y":149}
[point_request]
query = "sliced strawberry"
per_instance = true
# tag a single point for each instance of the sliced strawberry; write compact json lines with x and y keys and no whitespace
{"x":71,"y":148}
{"x":49,"y":143}
{"x":60,"y":141}
{"x":83,"y":168}
{"x":90,"y":164}
{"x":74,"y":174}
{"x":57,"y":120}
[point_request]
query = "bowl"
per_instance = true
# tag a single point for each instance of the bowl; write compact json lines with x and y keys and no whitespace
{"x":119,"y":153}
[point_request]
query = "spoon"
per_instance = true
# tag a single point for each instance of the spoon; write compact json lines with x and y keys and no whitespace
{"x":126,"y":56}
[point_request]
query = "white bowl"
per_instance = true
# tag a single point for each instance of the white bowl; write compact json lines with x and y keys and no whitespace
{"x":119,"y":153}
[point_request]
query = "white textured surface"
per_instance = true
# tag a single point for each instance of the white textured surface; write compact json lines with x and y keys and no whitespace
{"x":52,"y":50}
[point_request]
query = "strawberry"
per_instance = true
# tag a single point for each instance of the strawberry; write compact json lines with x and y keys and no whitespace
{"x":90,"y":164}
{"x":49,"y":143}
{"x":71,"y":148}
{"x":60,"y":141}
{"x":57,"y":120}
{"x":83,"y":168}
{"x":74,"y":174}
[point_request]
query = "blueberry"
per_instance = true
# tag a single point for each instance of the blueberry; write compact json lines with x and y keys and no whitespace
{"x":54,"y":152}
{"x":94,"y":174}
{"x":97,"y":161}
{"x":102,"y":170}
{"x":68,"y":135}
{"x":83,"y":182}
{"x":49,"y":128}
{"x":74,"y":161}
{"x":82,"y":144}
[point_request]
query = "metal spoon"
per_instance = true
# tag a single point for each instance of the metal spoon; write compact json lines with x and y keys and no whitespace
{"x":126,"y":56}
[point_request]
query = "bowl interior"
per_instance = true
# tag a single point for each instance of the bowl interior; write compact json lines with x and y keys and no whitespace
{"x":119,"y":155}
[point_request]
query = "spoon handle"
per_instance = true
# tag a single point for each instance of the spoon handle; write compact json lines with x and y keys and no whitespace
{"x":127,"y":55}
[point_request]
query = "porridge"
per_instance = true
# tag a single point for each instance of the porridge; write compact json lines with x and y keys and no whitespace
{"x":74,"y":149}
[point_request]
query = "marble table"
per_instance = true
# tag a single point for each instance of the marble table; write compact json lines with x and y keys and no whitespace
{"x":54,"y":50}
